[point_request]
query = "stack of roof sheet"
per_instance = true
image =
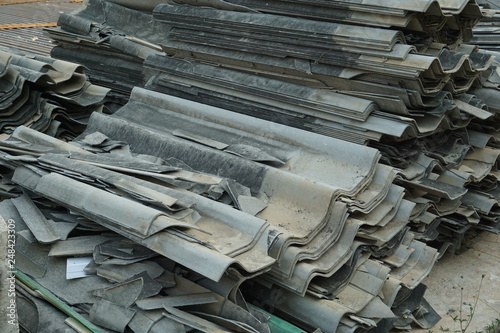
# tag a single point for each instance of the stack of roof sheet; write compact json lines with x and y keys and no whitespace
{"x":380,"y":67}
{"x":309,"y":206}
{"x":339,"y":68}
{"x":112,"y":50}
{"x":425,"y":95}
{"x":227,"y":196}
{"x":448,"y":21}
{"x":115,"y":282}
{"x":486,"y":31}
{"x":45,"y":94}
{"x":421,"y":115}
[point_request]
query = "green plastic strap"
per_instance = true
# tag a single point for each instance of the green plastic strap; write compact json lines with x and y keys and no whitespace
{"x":278,"y":325}
{"x":51,"y":298}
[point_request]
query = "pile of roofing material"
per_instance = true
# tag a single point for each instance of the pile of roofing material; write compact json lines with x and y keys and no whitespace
{"x":45,"y":94}
{"x":112,"y":47}
{"x":423,"y":104}
{"x":427,"y":102}
{"x":306,"y":222}
{"x":486,"y":32}
{"x":447,"y":21}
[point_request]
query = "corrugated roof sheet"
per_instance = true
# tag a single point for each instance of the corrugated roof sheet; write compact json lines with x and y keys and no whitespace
{"x":327,"y":224}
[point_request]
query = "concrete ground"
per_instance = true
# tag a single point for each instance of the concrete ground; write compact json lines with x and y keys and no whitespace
{"x":452,"y":272}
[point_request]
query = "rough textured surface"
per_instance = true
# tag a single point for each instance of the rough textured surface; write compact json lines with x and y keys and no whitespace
{"x":452,"y":272}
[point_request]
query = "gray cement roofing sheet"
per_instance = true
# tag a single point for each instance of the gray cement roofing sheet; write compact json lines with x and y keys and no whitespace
{"x":418,"y":265}
{"x":160,"y":241}
{"x":437,"y":188}
{"x":323,"y":241}
{"x":400,"y":126}
{"x":125,"y":293}
{"x":329,"y":287}
{"x":38,"y":224}
{"x":286,"y":47}
{"x":129,"y":162}
{"x":209,"y":214}
{"x":287,"y":264}
{"x":452,"y":5}
{"x":274,"y":172}
{"x":194,"y":321}
{"x":88,"y":95}
{"x":413,"y":66}
{"x":385,"y":210}
{"x":370,"y":276}
{"x":94,"y":15}
{"x":478,"y":163}
{"x":168,"y":325}
{"x":392,"y":7}
{"x":233,"y":325}
{"x":328,"y":12}
{"x":110,"y":315}
{"x":488,"y":95}
{"x":422,"y":269}
{"x":77,"y":246}
{"x":138,"y":219}
{"x":370,"y":198}
{"x":266,"y":64}
{"x":14,"y":105}
{"x":326,"y":265}
{"x":481,"y":139}
{"x":381,"y":235}
{"x":16,"y":95}
{"x":5,"y":58}
{"x":54,"y":277}
{"x":12,"y":84}
{"x":385,"y":65}
{"x":484,"y":203}
{"x":430,"y":84}
{"x":390,"y":247}
{"x":123,"y":273}
{"x":254,"y":259}
{"x":28,"y":113}
{"x":443,"y":207}
{"x":142,"y":323}
{"x":283,"y":143}
{"x":36,"y":316}
{"x":138,"y":48}
{"x":26,"y":137}
{"x":23,"y":103}
{"x":224,"y":307}
{"x":327,"y":313}
{"x":400,"y":257}
{"x":57,"y":70}
{"x":265,"y":23}
{"x":175,"y":301}
{"x":373,"y":124}
{"x":275,"y":90}
{"x":395,"y":5}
